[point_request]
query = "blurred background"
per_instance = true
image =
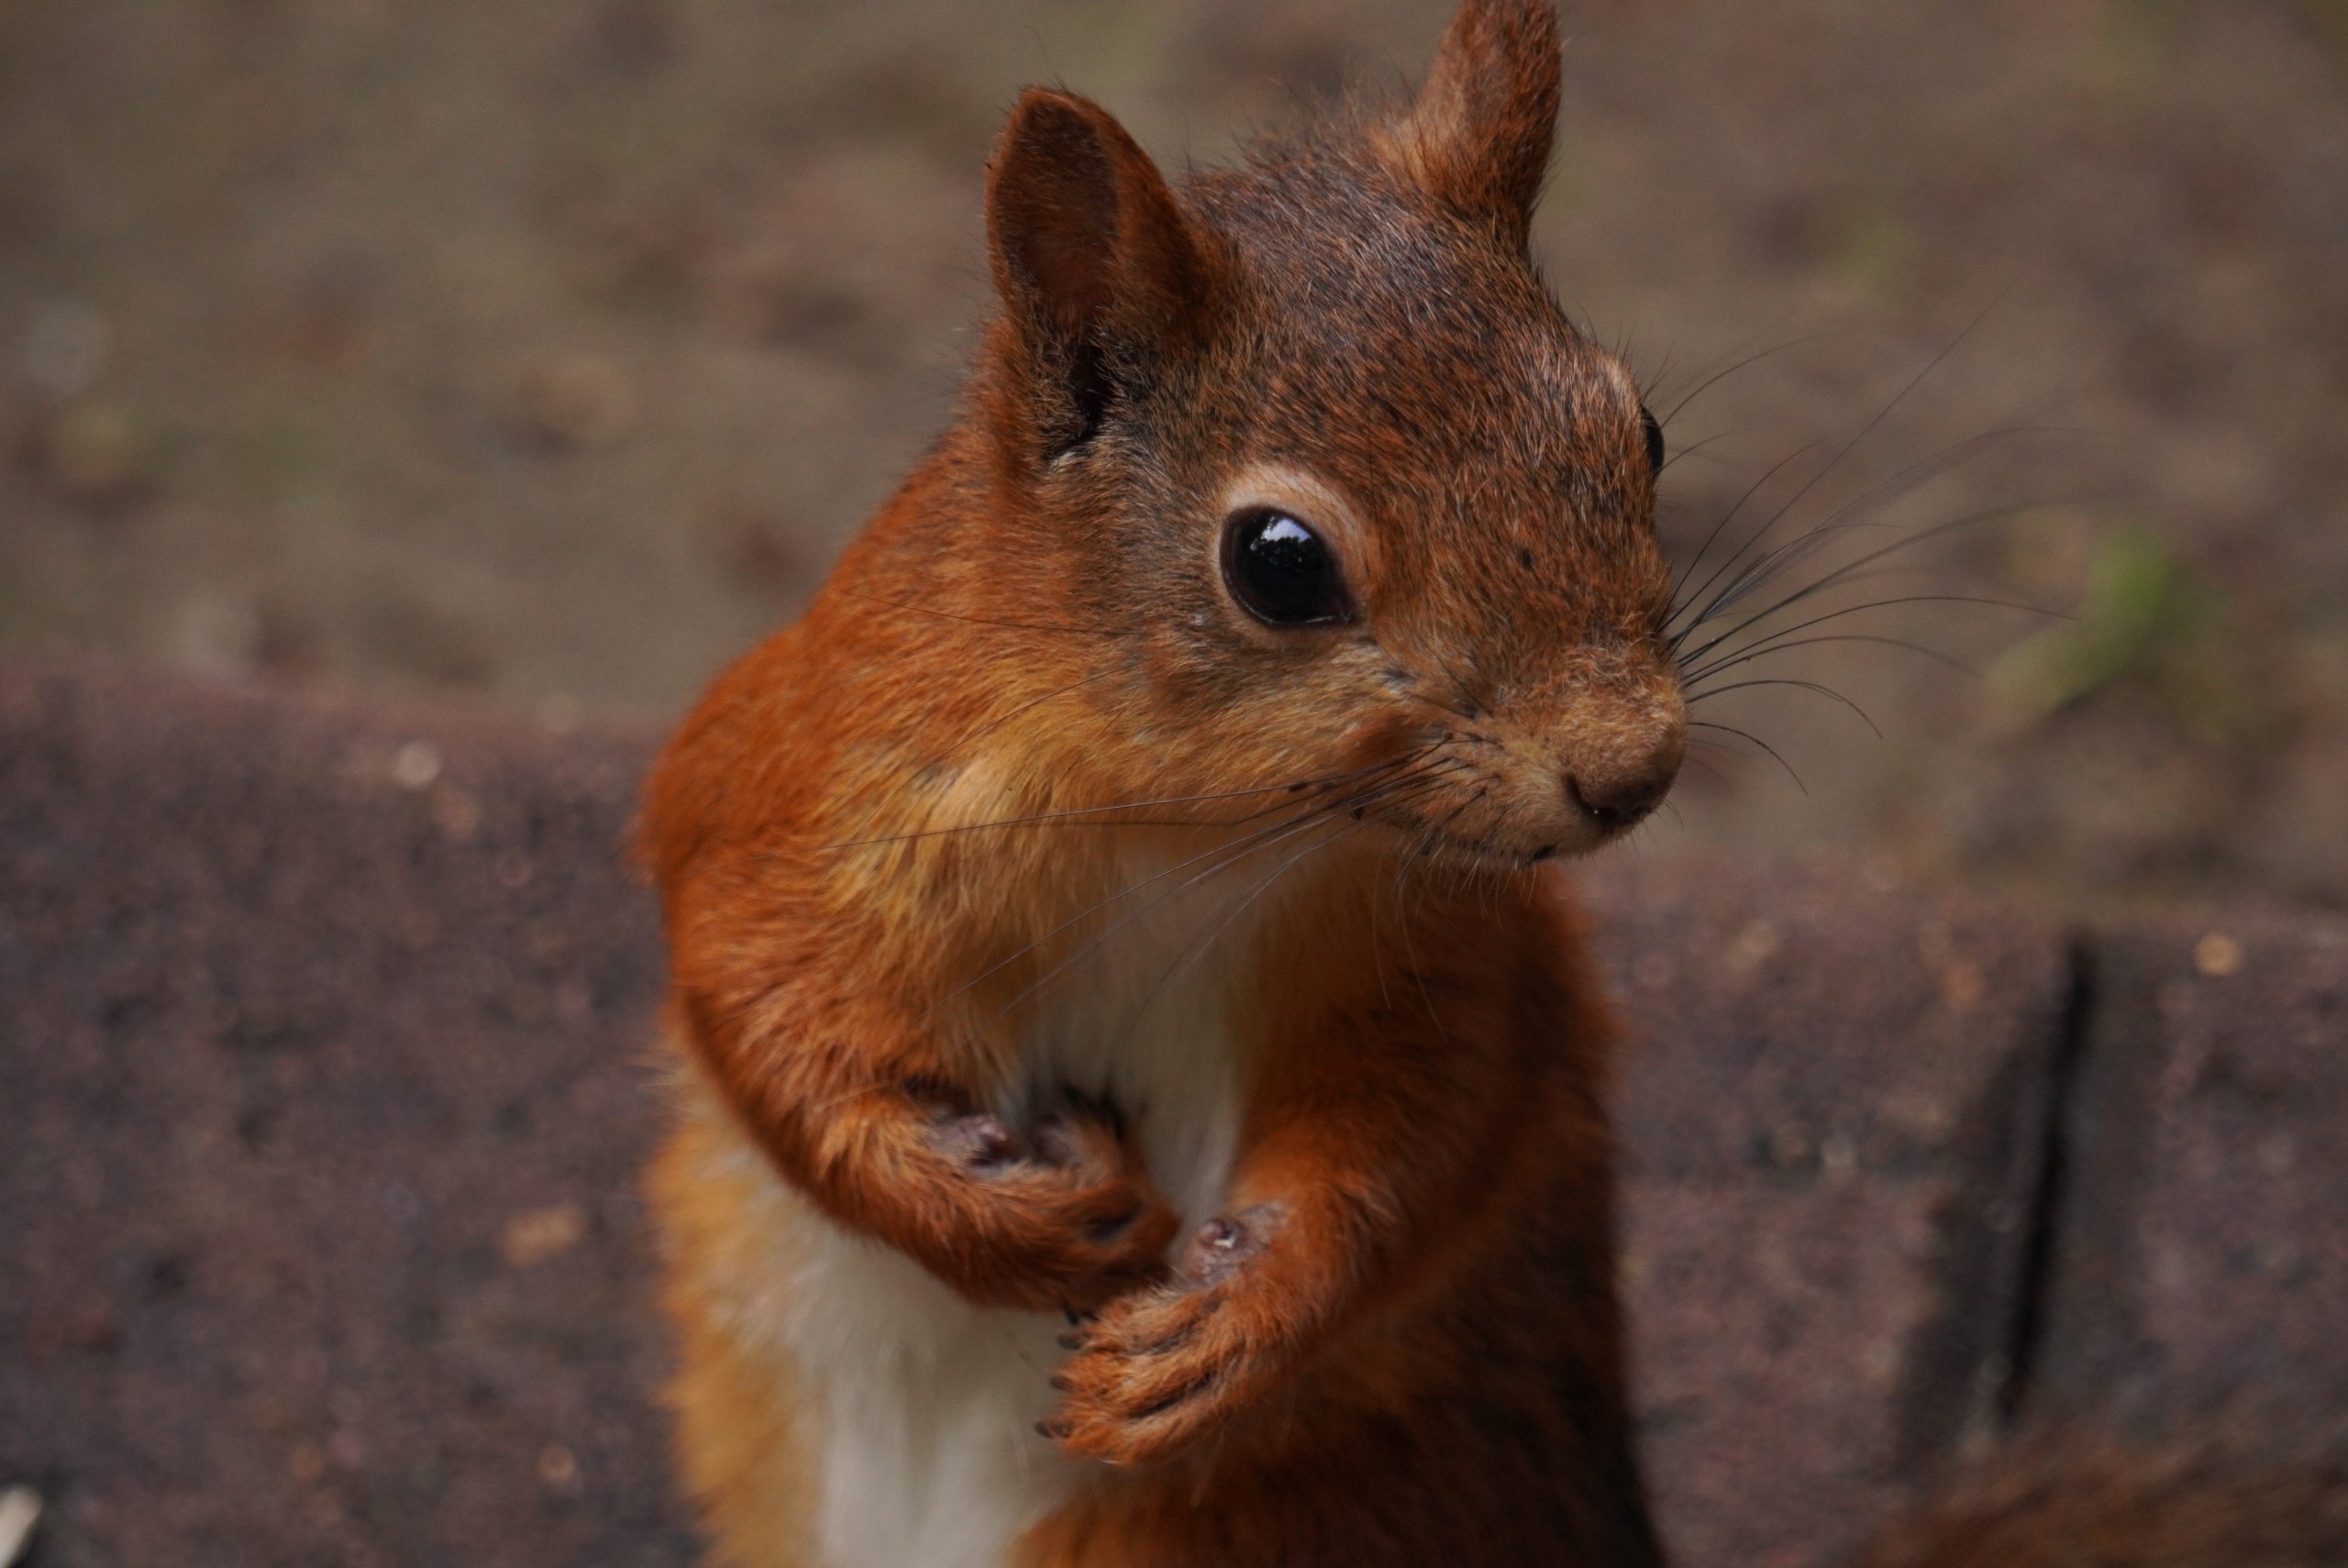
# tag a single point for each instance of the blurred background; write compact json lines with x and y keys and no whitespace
{"x":548,"y":350}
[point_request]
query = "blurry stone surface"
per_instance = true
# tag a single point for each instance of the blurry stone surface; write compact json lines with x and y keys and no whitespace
{"x":1833,"y":1101}
{"x":2202,"y":1260}
{"x":329,"y":1073}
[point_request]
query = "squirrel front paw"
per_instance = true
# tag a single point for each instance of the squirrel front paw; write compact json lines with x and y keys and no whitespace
{"x":1157,"y":1371}
{"x":1064,"y":1219}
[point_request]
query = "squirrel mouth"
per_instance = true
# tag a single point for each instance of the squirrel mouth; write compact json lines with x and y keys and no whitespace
{"x":1436,"y":840}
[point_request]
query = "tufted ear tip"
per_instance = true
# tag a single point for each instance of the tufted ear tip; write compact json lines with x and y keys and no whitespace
{"x":1479,"y":134}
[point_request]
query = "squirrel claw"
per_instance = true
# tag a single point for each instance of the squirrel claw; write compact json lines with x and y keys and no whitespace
{"x":1067,"y":1211}
{"x":1160,"y":1370}
{"x":979,"y":1143}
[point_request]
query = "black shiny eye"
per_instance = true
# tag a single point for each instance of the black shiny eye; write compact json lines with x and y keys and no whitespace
{"x":1280,"y":571}
{"x":1655,"y":442}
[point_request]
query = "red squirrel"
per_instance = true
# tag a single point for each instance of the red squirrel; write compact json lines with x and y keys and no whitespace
{"x":1145,"y":1088}
{"x":1142,"y":1090}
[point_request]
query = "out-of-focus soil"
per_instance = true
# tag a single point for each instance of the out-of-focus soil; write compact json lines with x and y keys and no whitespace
{"x":552,"y":348}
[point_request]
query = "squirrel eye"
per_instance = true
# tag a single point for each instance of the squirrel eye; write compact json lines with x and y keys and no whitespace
{"x":1655,"y":442}
{"x":1280,"y":571}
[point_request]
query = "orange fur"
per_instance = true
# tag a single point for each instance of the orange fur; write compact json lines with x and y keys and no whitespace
{"x":740,"y":1420}
{"x":1407,"y":1251}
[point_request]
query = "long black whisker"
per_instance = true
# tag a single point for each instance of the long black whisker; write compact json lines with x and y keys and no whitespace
{"x":1261,"y":840}
{"x":1693,"y":447}
{"x":1757,"y":740}
{"x":1772,"y":563}
{"x":1820,"y":690}
{"x":1002,"y":719}
{"x":1701,"y":670}
{"x":1849,"y":570}
{"x":1394,"y":790}
{"x":1870,"y":426}
{"x":1041,"y":818}
{"x":1885,"y":412}
{"x":1721,"y":779}
{"x":1719,"y":376}
{"x":1240,"y":847}
{"x":1931,"y":653}
{"x":1776,"y":562}
{"x":1443,"y":828}
{"x":1196,"y":950}
{"x":1230,"y":855}
{"x":1410,"y":943}
{"x":1685,"y":598}
{"x":1662,"y":371}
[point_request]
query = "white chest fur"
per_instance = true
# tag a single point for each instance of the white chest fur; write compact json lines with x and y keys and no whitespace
{"x":926,"y":1435}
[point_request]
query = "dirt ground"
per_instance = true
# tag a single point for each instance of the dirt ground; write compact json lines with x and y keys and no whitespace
{"x":551,"y":347}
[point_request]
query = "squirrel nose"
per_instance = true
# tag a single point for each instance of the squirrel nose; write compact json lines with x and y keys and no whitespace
{"x":1616,"y":796}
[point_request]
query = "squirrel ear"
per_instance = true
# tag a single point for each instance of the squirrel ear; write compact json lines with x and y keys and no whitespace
{"x":1097,"y":267}
{"x":1478,"y":136}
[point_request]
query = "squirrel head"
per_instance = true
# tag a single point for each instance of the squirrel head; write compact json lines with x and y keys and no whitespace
{"x":1312,"y":435}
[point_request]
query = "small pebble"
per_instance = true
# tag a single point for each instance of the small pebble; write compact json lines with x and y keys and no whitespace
{"x":2217,"y":956}
{"x":416,"y":764}
{"x":531,"y":1239}
{"x":1752,"y":947}
{"x":1963,"y":986}
{"x":559,"y":1467}
{"x":578,"y":402}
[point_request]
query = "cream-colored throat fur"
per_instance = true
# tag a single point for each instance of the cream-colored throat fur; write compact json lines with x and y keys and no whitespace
{"x":918,"y":1408}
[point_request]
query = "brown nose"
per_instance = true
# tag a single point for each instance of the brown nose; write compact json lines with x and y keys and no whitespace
{"x":1615,"y":797}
